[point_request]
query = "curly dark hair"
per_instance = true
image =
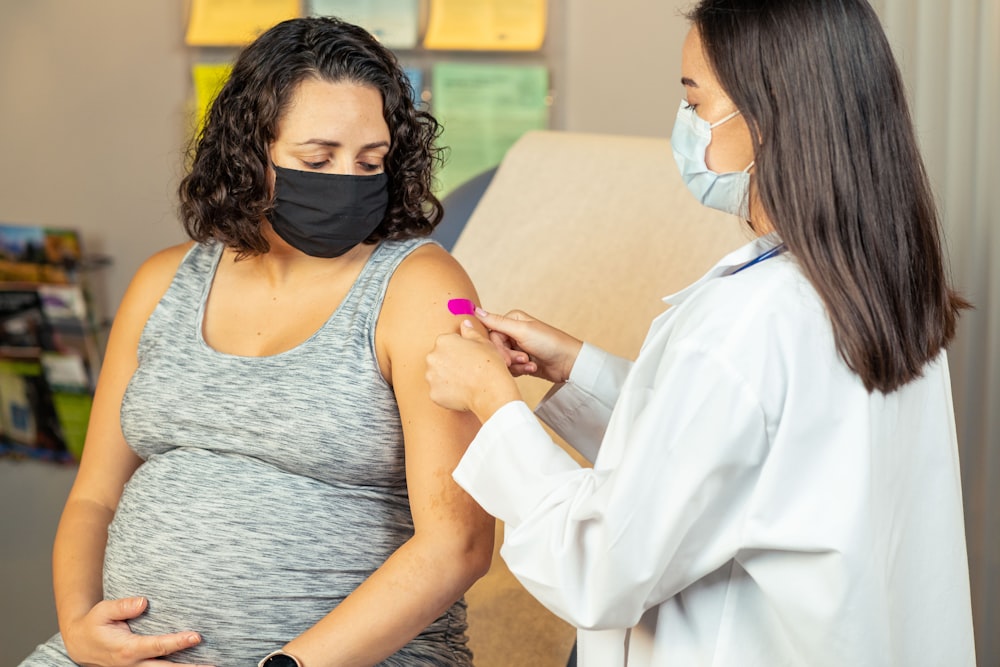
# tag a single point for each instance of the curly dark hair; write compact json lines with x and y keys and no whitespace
{"x":226,"y":194}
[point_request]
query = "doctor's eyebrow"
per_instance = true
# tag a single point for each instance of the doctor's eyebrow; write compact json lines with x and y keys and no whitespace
{"x":690,"y":83}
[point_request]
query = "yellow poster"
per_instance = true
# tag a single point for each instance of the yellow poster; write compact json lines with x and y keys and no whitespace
{"x":492,"y":25}
{"x":208,"y":79}
{"x":236,"y":22}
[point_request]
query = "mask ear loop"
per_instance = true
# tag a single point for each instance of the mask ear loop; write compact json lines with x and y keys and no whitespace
{"x":724,"y":120}
{"x":746,"y":169}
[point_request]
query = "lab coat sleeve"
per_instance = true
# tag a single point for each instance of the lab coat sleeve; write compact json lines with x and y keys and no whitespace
{"x":662,"y":507}
{"x":579,"y":410}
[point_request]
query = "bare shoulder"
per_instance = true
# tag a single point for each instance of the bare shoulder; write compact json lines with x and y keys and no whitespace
{"x":152,"y":279}
{"x":415,"y":310}
{"x":163,"y":264}
{"x":430,"y":276}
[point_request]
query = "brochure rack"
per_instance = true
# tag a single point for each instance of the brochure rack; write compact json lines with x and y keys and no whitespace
{"x":49,"y":343}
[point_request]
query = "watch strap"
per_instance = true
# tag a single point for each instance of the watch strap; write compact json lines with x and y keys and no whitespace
{"x":279,"y":659}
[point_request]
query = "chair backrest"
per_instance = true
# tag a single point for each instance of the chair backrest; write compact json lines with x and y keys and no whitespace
{"x":458,"y":207}
{"x":586,"y":232}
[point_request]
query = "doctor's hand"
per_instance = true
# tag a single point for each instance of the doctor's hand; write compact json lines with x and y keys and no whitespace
{"x":466,"y":372}
{"x":103,"y":638}
{"x":531,"y":347}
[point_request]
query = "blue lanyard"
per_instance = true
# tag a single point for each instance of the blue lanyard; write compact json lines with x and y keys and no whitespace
{"x":773,"y":252}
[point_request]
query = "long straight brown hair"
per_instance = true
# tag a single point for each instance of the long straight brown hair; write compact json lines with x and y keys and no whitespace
{"x":839,"y":174}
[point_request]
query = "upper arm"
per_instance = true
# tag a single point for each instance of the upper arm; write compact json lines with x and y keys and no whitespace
{"x":107,"y":461}
{"x":414,"y":314}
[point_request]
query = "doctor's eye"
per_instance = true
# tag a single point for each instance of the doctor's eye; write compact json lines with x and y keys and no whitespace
{"x":690,"y":107}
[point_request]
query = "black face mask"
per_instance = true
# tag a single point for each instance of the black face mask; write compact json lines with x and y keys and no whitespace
{"x":325,"y":215}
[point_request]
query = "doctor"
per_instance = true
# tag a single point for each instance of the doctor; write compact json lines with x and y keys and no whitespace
{"x":775,"y":478}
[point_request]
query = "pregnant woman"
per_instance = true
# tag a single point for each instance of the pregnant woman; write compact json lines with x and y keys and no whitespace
{"x":265,"y":478}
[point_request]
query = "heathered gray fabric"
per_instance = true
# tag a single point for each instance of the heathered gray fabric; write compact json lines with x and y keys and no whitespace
{"x":272,"y":486}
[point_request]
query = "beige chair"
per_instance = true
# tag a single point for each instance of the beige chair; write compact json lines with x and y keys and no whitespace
{"x":586,"y":232}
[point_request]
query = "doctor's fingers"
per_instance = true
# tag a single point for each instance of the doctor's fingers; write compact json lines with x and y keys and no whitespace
{"x":523,"y":332}
{"x":515,"y":324}
{"x":552,"y":350}
{"x":507,"y":347}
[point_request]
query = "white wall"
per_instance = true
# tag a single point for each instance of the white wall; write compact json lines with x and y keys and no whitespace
{"x":622,"y":67}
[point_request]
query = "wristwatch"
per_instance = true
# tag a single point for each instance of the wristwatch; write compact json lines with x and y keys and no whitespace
{"x":279,"y":659}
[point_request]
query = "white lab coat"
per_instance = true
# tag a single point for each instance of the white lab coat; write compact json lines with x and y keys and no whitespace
{"x":750,"y":503}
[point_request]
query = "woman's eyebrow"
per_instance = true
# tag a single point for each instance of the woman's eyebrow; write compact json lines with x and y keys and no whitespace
{"x":690,"y":83}
{"x":337,"y":144}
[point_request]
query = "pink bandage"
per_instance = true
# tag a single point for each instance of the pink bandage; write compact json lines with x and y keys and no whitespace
{"x":461,"y":307}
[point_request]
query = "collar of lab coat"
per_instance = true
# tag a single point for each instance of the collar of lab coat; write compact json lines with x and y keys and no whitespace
{"x":728,"y":264}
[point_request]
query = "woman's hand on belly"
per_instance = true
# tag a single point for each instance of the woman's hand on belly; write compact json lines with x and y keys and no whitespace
{"x":102,"y":637}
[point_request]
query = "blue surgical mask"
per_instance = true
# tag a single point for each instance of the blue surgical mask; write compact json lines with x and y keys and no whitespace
{"x":727,"y":192}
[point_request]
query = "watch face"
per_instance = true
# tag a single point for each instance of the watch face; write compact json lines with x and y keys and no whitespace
{"x":280,"y":660}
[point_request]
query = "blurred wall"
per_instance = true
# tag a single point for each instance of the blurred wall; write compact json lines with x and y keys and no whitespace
{"x":92,"y":110}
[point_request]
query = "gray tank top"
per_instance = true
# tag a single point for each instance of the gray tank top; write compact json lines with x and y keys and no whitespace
{"x":272,"y":486}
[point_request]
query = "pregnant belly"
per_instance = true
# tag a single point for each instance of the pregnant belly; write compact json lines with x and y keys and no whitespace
{"x":241,"y":552}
